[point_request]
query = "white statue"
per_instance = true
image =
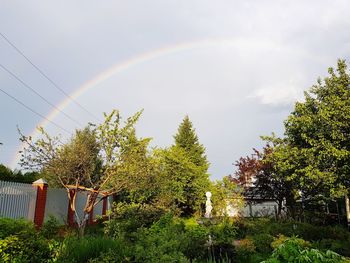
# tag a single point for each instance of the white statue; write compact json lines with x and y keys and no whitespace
{"x":208,"y":206}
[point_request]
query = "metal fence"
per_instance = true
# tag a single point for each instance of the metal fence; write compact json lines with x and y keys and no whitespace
{"x":17,"y":200}
{"x":57,"y":204}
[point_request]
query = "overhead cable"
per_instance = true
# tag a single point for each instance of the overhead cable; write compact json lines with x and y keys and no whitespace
{"x":47,"y":77}
{"x":33,"y":111}
{"x":38,"y":94}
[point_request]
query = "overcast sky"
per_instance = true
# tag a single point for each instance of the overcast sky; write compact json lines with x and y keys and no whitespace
{"x":235,"y":67}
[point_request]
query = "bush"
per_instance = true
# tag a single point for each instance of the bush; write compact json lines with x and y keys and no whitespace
{"x":281,"y":239}
{"x":245,"y":247}
{"x":338,"y":246}
{"x":111,"y":256}
{"x":196,"y":238}
{"x":222,"y":236}
{"x":293,"y":250}
{"x":19,"y":242}
{"x":25,"y":247}
{"x":224,"y":232}
{"x":164,"y":241}
{"x":252,"y":227}
{"x":262,"y":242}
{"x":50,"y":227}
{"x":128,"y":218}
{"x":88,"y":248}
{"x":10,"y":227}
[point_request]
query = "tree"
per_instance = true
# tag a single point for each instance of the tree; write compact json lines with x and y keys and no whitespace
{"x":187,"y":139}
{"x":319,"y":128}
{"x":182,"y":183}
{"x":138,"y":165}
{"x":267,"y":174}
{"x":226,"y":193}
{"x":74,"y":165}
{"x":89,"y":161}
{"x":185,"y":165}
{"x":6,"y":174}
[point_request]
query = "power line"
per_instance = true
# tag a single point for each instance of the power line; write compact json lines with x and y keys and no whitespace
{"x":45,"y":76}
{"x":38,"y":94}
{"x":33,"y":111}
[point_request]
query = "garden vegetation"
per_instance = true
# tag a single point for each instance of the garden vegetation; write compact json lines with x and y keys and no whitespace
{"x":159,"y":193}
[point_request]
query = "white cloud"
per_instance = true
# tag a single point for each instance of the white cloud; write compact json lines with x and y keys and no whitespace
{"x":277,"y":96}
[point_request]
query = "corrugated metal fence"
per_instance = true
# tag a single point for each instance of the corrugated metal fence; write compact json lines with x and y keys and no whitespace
{"x":17,"y":200}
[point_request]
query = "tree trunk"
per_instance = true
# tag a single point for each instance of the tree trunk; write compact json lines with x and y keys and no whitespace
{"x":82,"y":225}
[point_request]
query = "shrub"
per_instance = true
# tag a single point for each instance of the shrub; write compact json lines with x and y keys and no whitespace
{"x":224,"y":232}
{"x":196,"y":238}
{"x":252,"y":227}
{"x":24,"y":247}
{"x":293,"y":250}
{"x":111,"y":256}
{"x":127,"y":218}
{"x":222,"y":235}
{"x":164,"y":241}
{"x":10,"y":227}
{"x":50,"y":227}
{"x":96,"y":229}
{"x":281,"y":239}
{"x":245,"y":246}
{"x":307,"y":231}
{"x":262,"y":242}
{"x":19,"y":242}
{"x":88,"y":248}
{"x":338,"y":246}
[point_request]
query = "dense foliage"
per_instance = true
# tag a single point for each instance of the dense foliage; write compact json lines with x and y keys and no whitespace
{"x":174,"y":239}
{"x":309,"y":167}
{"x":6,"y":174}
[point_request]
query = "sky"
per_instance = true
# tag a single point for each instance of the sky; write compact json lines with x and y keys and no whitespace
{"x":236,"y":68}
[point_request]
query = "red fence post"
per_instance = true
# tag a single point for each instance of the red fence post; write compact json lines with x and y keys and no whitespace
{"x":104,"y":206}
{"x":41,"y":194}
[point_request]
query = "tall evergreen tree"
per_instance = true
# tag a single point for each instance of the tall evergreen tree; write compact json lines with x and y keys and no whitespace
{"x":187,"y":139}
{"x":186,"y":168}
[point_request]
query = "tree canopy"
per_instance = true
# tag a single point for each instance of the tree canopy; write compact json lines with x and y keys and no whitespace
{"x":187,"y":139}
{"x":312,"y":160}
{"x":91,"y":160}
{"x":319,"y":128}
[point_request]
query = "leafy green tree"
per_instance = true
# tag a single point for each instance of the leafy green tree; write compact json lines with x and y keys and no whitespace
{"x":182,"y":185}
{"x":90,"y":161}
{"x":226,"y":193}
{"x":319,"y":128}
{"x":6,"y":174}
{"x":139,"y":167}
{"x":75,"y":165}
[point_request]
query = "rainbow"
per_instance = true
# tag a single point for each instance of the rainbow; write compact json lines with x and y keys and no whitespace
{"x":125,"y":65}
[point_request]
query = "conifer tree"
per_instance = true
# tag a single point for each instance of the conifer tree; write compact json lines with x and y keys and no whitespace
{"x":187,"y":139}
{"x":186,"y":168}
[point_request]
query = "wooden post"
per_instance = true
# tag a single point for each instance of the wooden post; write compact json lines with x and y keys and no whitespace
{"x":104,"y":206}
{"x":41,"y":195}
{"x":91,"y":216}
